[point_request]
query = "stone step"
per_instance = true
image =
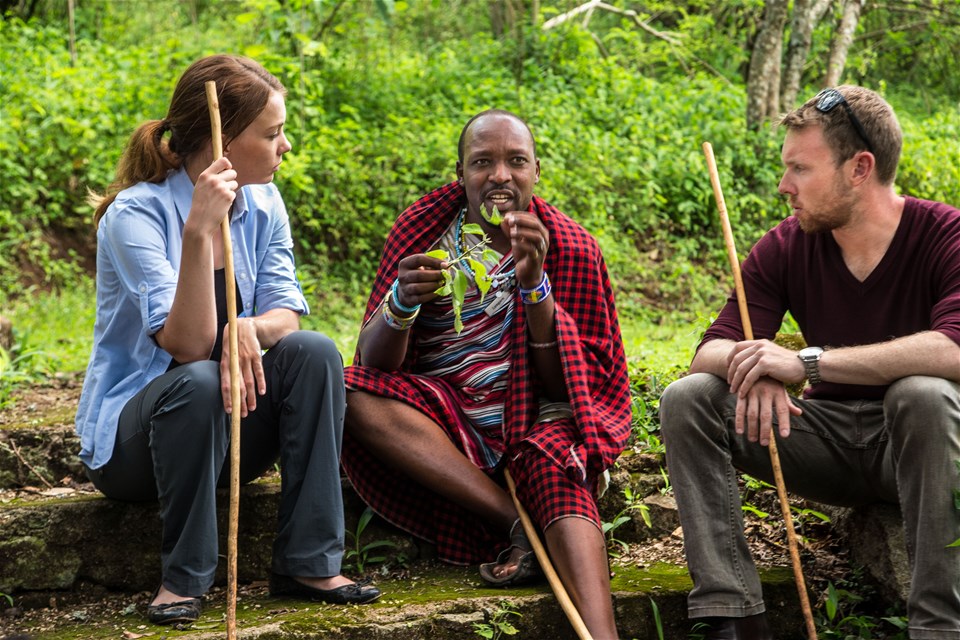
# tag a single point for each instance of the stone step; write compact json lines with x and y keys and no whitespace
{"x":82,"y":550}
{"x":57,"y":543}
{"x":95,"y":558}
{"x":432,"y":601}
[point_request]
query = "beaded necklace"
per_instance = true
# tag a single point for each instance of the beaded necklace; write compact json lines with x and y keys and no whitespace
{"x":497,"y":279}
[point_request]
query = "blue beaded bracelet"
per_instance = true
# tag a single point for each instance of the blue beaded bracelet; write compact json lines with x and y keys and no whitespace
{"x":396,"y":300}
{"x":539,"y":293}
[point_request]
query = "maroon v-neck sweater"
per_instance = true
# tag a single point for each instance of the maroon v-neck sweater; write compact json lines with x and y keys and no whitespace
{"x":914,"y":288}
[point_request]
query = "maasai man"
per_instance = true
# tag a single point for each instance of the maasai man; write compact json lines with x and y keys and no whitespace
{"x":535,"y":382}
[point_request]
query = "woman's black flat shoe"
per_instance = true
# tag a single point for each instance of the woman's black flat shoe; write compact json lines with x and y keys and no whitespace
{"x":355,"y":593}
{"x":182,"y":612}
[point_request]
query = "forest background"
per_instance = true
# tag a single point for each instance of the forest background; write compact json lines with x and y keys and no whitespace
{"x":620,"y":96}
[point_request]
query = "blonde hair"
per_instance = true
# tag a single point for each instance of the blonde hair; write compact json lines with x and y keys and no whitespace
{"x":874,"y":113}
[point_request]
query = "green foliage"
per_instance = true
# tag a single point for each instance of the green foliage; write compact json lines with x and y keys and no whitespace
{"x":456,"y":278}
{"x":362,"y":552}
{"x":377,"y":93}
{"x":498,"y":623}
{"x":63,"y":130}
{"x":645,"y":392}
{"x":58,"y":323}
{"x":633,"y":502}
{"x":20,"y":365}
{"x":840,"y":617}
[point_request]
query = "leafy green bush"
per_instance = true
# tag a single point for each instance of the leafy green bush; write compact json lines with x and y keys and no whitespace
{"x":374,"y":111}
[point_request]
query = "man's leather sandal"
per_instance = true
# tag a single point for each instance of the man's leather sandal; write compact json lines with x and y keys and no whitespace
{"x":528,"y":568}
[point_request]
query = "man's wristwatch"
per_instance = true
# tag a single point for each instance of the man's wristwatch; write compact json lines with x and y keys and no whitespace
{"x":810,"y":357}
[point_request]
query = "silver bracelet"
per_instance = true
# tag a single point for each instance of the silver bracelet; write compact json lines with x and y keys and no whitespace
{"x":542,"y":345}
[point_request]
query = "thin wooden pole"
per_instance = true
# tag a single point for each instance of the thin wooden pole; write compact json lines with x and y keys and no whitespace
{"x":538,"y":549}
{"x":748,"y":333}
{"x":213,"y":105}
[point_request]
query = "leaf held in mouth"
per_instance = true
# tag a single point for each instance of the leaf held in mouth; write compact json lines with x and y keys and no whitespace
{"x":493,"y":216}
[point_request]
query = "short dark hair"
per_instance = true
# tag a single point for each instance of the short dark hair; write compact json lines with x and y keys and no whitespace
{"x":492,"y":112}
{"x":875,"y":115}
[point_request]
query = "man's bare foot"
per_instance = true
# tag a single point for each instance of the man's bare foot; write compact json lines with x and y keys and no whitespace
{"x":507,"y":568}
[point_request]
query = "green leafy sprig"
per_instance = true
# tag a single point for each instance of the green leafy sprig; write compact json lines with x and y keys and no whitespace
{"x":456,"y":279}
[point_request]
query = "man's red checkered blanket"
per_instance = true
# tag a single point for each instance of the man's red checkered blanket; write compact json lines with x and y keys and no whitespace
{"x":594,"y":367}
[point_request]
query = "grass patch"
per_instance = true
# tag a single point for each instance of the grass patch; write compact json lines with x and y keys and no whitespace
{"x":59,"y":324}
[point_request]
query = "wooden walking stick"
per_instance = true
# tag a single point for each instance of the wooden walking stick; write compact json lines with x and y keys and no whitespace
{"x":538,"y":549}
{"x":748,"y":333}
{"x":213,"y":105}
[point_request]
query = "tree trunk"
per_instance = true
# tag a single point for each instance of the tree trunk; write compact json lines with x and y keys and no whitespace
{"x":841,"y":43}
{"x":503,"y":18}
{"x":73,"y":34}
{"x":773,"y":81}
{"x":6,"y":334}
{"x":765,"y":64}
{"x":806,"y":15}
{"x":507,"y":15}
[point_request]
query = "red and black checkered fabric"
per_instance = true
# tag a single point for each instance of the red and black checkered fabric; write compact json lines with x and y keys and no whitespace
{"x":594,"y":367}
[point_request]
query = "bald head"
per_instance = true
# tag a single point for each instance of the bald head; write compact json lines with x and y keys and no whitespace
{"x":503,"y":113}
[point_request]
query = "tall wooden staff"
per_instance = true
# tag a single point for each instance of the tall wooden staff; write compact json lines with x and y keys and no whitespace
{"x":214,"y":106}
{"x":538,"y":549}
{"x":748,"y":334}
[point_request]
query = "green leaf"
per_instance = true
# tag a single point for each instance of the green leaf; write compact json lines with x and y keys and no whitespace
{"x":832,"y":599}
{"x":459,"y":291}
{"x":377,"y":544}
{"x":460,"y":286}
{"x":446,"y":288}
{"x":472,"y":229}
{"x":493,"y":216}
{"x":645,"y":514}
{"x":439,"y":253}
{"x":757,"y":512}
{"x":480,"y":277}
{"x":364,"y":520}
{"x":656,"y":618}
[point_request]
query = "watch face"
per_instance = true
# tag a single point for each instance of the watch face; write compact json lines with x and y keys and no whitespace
{"x":810,"y":353}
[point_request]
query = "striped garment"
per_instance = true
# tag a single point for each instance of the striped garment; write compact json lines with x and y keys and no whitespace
{"x":486,"y":368}
{"x":469,"y":372}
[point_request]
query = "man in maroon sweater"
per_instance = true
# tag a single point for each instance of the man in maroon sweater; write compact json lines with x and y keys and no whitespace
{"x":873,"y":280}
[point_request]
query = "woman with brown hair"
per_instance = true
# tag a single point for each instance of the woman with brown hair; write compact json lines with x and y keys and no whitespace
{"x":153,"y":417}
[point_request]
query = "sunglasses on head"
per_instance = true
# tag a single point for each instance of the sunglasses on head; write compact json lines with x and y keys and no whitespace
{"x":830,"y":98}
